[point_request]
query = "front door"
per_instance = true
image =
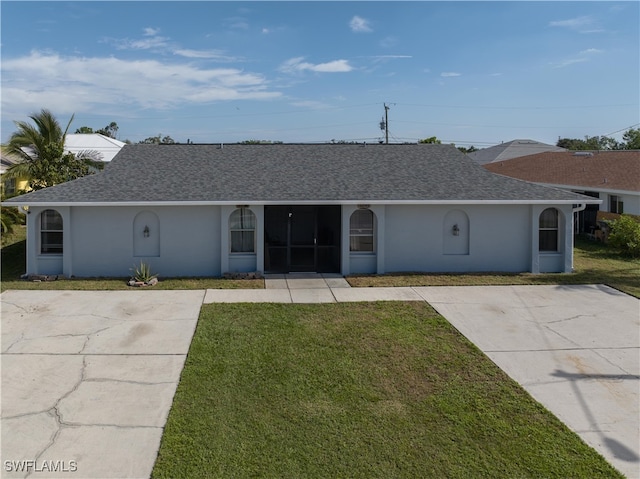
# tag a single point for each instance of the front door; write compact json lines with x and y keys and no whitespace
{"x":302,"y":238}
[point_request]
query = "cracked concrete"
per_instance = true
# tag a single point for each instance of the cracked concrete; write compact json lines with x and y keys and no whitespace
{"x":88,"y":378}
{"x":575,"y":349}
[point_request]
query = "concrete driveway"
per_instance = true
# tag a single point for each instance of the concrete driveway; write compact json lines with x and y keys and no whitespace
{"x":575,"y":349}
{"x":88,"y":379}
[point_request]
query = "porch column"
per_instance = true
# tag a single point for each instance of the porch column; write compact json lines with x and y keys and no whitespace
{"x":567,"y":248}
{"x":535,"y":239}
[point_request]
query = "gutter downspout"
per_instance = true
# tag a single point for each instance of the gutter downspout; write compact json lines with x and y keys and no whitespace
{"x":576,"y":210}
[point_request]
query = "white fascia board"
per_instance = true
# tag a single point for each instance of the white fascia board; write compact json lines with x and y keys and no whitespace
{"x":586,"y":200}
{"x":599,"y":188}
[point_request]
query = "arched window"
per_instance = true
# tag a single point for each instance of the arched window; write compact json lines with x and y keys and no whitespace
{"x":361,"y":231}
{"x":548,"y":230}
{"x":242,"y":225}
{"x":50,"y":232}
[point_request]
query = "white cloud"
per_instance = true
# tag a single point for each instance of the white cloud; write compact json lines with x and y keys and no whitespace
{"x":310,"y":104}
{"x":76,"y":84}
{"x":450,"y":74}
{"x":582,"y":57}
{"x":390,"y":57}
{"x":582,"y":24}
{"x":388,"y":42}
{"x":360,"y":25}
{"x":151,"y":32}
{"x":151,"y":41}
{"x":207,"y":54}
{"x":590,"y":51}
{"x":570,"y":61}
{"x":298,"y":64}
{"x":141,"y":44}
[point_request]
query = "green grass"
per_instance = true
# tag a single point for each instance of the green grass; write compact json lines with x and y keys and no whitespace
{"x":358,"y":390}
{"x":594,"y":263}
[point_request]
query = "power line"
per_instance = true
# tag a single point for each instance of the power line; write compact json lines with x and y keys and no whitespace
{"x":483,"y":107}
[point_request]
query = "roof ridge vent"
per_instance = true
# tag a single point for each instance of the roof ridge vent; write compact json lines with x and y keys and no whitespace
{"x":583,"y":153}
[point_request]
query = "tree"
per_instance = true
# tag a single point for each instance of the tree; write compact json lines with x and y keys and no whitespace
{"x":158,"y":140}
{"x":432,"y":140}
{"x":471,"y":149}
{"x":632,"y":139}
{"x":41,"y":150}
{"x":589,"y":143}
{"x":111,"y":130}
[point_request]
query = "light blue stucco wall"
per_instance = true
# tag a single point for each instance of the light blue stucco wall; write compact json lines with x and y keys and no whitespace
{"x":497,"y":238}
{"x":99,"y":241}
{"x":194,"y":240}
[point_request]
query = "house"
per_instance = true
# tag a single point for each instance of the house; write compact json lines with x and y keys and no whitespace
{"x":10,"y":186}
{"x":106,"y":146}
{"x":204,"y":210}
{"x":612,"y":176}
{"x":511,"y":149}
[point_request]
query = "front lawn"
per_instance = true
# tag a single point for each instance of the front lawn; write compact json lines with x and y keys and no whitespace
{"x":358,"y":390}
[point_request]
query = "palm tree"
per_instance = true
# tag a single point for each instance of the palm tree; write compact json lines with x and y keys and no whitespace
{"x":40,"y":148}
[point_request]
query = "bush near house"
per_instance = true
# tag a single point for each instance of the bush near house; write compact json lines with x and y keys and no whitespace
{"x":625,"y":235}
{"x":11,"y":217}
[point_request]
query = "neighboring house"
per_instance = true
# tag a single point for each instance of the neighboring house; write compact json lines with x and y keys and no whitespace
{"x":106,"y":146}
{"x":204,"y":210}
{"x":10,"y":186}
{"x":511,"y":149}
{"x":612,"y":176}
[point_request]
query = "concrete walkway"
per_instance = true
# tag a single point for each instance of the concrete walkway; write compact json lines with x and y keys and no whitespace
{"x":89,"y":377}
{"x":309,"y":288}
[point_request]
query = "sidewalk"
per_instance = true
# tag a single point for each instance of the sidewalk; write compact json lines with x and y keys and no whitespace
{"x":309,"y":288}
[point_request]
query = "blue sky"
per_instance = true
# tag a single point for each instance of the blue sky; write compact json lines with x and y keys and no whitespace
{"x":470,"y":73}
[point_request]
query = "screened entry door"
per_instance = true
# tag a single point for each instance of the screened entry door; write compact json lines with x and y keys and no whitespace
{"x":302,"y":239}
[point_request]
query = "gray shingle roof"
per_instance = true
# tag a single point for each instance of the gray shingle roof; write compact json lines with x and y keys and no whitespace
{"x":293,"y":173}
{"x":511,"y":149}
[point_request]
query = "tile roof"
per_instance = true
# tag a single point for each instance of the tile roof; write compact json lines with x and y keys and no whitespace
{"x":511,"y":149}
{"x":615,"y":170}
{"x":285,"y":173}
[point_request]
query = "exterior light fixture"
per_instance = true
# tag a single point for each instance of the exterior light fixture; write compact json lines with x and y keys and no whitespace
{"x":145,"y":231}
{"x":455,"y":230}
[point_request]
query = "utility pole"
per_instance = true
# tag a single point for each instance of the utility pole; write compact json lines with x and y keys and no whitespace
{"x":384,"y":124}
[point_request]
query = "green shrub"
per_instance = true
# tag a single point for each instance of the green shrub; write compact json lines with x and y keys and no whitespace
{"x":10,"y":217}
{"x":142,"y":273}
{"x":625,"y":235}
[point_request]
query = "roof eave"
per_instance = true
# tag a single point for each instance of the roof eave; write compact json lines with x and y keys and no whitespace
{"x":584,"y":200}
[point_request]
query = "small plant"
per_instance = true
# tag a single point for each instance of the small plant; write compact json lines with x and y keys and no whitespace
{"x":142,"y":273}
{"x":625,"y":235}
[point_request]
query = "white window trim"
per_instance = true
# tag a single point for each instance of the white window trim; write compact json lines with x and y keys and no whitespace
{"x":40,"y":252}
{"x":233,"y":230}
{"x":372,"y":235}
